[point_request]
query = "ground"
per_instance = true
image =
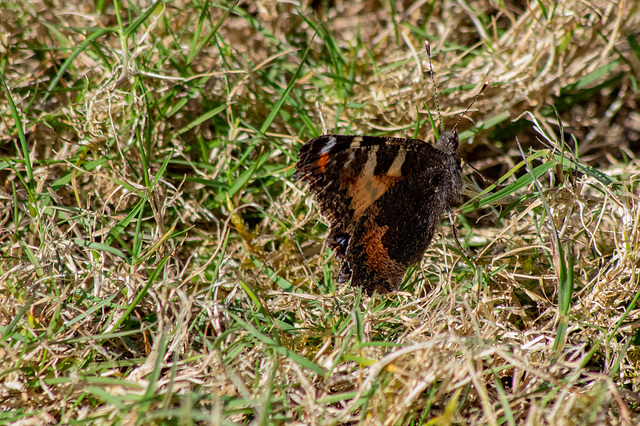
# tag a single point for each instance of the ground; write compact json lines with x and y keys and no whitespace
{"x":159,"y":265}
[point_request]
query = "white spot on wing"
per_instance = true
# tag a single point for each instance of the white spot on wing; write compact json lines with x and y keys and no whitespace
{"x":350,"y":158}
{"x":328,"y":146}
{"x":355,"y":143}
{"x":395,"y":170}
{"x":372,"y":160}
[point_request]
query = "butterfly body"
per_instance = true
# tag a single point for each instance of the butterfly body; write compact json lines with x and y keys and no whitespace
{"x":383,"y":199}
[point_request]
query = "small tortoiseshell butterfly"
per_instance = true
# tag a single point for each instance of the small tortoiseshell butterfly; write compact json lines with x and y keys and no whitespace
{"x":383,"y":198}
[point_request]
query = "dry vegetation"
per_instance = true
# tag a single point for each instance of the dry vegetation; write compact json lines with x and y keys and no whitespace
{"x":158,"y":265}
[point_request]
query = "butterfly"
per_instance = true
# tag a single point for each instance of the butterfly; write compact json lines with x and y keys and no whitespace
{"x":383,"y":198}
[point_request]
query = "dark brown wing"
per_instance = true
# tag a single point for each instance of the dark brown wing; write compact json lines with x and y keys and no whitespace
{"x":394,"y":233}
{"x":357,"y":180}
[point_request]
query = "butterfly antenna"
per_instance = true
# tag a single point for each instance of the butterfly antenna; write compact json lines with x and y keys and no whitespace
{"x":484,"y":86}
{"x":435,"y":88}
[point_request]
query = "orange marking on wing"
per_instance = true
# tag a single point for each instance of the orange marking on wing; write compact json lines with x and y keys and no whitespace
{"x":365,"y":190}
{"x":322,"y":162}
{"x":377,"y":255}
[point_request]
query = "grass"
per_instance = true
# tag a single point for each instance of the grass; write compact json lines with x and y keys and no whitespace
{"x":158,"y":265}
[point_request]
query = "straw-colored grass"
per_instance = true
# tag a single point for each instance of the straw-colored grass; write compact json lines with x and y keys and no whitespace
{"x":159,"y":265}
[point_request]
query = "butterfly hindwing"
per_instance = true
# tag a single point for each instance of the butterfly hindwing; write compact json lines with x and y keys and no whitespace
{"x":396,"y":231}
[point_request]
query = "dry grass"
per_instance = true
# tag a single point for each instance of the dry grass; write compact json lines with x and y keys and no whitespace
{"x":158,"y":264}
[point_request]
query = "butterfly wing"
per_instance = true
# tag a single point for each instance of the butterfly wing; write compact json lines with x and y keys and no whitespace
{"x":395,"y":232}
{"x":372,"y":192}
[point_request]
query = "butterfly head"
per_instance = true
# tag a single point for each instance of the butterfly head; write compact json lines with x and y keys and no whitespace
{"x":448,"y":142}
